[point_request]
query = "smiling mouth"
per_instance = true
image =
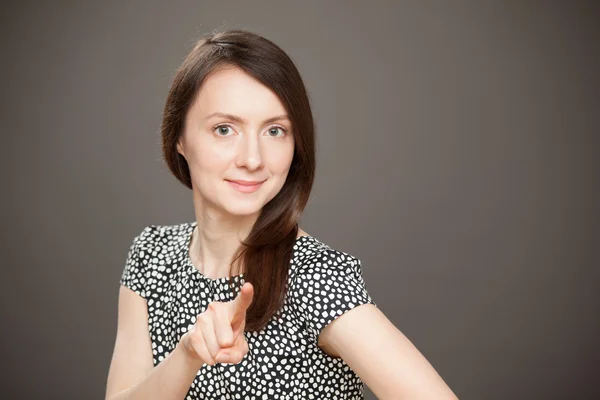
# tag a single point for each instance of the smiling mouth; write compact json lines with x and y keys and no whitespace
{"x":245,"y":186}
{"x":246,"y":183}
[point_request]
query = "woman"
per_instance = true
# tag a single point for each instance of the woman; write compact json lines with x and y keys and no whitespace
{"x":242,"y":303}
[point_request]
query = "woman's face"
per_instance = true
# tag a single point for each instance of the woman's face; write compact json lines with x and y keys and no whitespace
{"x":253,"y":142}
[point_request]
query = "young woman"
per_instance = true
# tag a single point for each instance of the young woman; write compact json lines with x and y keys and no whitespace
{"x":241,"y":303}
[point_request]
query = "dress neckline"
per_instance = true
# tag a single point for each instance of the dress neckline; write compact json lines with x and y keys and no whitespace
{"x":190,"y":264}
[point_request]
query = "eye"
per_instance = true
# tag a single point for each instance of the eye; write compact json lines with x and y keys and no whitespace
{"x":222,"y":129}
{"x":275,"y":128}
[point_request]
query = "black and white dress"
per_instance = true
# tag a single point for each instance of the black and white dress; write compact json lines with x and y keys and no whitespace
{"x":283,"y":359}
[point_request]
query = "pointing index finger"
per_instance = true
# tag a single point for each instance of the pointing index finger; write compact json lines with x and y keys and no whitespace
{"x":242,"y":302}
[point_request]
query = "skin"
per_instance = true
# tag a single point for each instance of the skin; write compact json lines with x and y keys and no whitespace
{"x":220,"y":148}
{"x":388,"y":363}
{"x":218,"y":334}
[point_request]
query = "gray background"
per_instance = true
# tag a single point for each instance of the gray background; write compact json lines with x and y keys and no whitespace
{"x":457,"y":158}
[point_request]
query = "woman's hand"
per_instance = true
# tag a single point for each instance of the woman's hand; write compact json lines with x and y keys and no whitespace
{"x":218,"y":334}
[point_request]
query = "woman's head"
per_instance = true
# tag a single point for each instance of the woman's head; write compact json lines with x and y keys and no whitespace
{"x":247,"y":76}
{"x":253,"y":80}
{"x":236,"y":129}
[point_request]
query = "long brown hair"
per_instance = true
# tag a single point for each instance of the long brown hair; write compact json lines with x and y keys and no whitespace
{"x":267,"y":251}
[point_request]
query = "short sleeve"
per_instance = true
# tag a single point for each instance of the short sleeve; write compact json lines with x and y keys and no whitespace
{"x":326,"y":287}
{"x":134,"y":274}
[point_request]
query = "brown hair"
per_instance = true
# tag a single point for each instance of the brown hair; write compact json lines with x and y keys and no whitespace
{"x":267,"y":251}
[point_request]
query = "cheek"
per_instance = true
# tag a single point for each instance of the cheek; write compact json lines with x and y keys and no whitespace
{"x":281,"y":160}
{"x":209,"y":158}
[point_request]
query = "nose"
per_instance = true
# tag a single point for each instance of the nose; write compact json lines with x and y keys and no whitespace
{"x":249,"y":153}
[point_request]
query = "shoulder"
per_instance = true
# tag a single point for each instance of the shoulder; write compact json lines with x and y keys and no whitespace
{"x":321,"y":273}
{"x":312,"y":256}
{"x":160,"y":242}
{"x":151,"y":253}
{"x":153,"y":235}
{"x":325,"y":283}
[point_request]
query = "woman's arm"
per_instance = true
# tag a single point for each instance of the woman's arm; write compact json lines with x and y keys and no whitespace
{"x":131,"y":374}
{"x":385,"y":360}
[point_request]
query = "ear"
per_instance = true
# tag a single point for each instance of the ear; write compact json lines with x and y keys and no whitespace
{"x":180,"y":148}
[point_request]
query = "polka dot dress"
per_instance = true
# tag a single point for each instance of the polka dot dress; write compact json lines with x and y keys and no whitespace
{"x":283,"y":359}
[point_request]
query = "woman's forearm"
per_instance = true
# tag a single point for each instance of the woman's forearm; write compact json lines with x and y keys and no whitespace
{"x":171,"y":379}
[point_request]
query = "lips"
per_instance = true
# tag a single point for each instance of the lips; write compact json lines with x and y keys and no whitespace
{"x":245,"y":186}
{"x":245,"y":183}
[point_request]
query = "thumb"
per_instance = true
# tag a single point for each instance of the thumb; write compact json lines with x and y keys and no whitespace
{"x":241,"y":303}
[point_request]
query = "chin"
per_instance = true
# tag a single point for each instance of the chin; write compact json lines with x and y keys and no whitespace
{"x":243,"y":209}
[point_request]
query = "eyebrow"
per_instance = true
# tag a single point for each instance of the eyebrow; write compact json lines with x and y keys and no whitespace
{"x":241,"y":120}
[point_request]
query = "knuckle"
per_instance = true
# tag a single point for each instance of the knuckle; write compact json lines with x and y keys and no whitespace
{"x":203,"y":319}
{"x":225,"y":337}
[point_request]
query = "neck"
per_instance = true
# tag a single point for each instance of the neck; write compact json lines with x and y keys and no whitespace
{"x":216,"y":238}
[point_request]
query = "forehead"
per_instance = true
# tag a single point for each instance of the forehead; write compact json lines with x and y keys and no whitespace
{"x":233,"y":91}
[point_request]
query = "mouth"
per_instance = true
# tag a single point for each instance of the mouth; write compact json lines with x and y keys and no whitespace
{"x":245,"y":186}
